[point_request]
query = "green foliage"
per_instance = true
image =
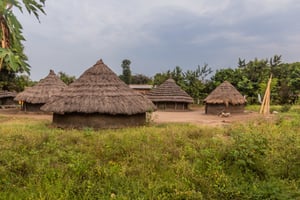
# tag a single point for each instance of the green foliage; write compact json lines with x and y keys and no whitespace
{"x":67,"y":79}
{"x":126,"y":76}
{"x":140,"y":79}
{"x":251,"y":78}
{"x":257,"y":160}
{"x":12,"y":56}
{"x":11,"y":60}
{"x":14,"y":82}
{"x":222,"y":75}
{"x":285,"y":108}
{"x":192,"y":81}
{"x":159,"y":78}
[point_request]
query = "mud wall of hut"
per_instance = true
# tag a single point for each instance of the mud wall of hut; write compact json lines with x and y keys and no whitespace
{"x":216,"y":109}
{"x":98,"y":121}
{"x":29,"y":107}
{"x":171,"y":106}
{"x":8,"y":101}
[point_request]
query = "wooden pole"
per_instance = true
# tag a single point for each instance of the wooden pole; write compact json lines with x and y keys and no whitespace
{"x":267,"y":103}
{"x":265,"y":106}
{"x":263,"y":103}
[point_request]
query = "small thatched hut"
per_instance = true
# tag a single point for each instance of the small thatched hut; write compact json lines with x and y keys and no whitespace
{"x":34,"y":97}
{"x":7,"y":98}
{"x":225,"y":98}
{"x":99,"y":99}
{"x":169,"y":96}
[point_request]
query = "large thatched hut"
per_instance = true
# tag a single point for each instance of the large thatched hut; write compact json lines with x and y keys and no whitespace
{"x":34,"y":97}
{"x":225,"y":98}
{"x":99,"y":99}
{"x":169,"y":96}
{"x":7,"y":98}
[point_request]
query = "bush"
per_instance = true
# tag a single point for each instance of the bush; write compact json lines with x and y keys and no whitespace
{"x":285,"y":108}
{"x":259,"y":160}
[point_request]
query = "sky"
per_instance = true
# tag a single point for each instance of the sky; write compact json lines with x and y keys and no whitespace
{"x":159,"y":35}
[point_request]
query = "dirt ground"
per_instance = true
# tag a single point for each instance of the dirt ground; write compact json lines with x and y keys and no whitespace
{"x":195,"y":116}
{"x":199,"y":117}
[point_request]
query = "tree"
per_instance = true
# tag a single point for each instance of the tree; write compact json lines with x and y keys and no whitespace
{"x":222,"y":75}
{"x":294,"y":81}
{"x":12,"y":82}
{"x":159,"y":78}
{"x":23,"y":81}
{"x":7,"y":80}
{"x":276,"y":60}
{"x":195,"y":82}
{"x":177,"y":74}
{"x":140,"y":79}
{"x":126,"y":75}
{"x":241,"y":63}
{"x":12,"y":57}
{"x":67,"y":79}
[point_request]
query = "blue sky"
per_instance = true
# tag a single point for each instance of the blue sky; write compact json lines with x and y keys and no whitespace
{"x":158,"y":35}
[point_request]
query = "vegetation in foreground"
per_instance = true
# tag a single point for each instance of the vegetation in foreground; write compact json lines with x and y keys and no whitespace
{"x":258,"y":160}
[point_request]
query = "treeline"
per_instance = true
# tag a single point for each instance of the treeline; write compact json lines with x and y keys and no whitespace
{"x":249,"y":77}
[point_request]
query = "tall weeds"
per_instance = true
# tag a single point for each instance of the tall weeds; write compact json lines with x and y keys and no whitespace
{"x":259,"y":160}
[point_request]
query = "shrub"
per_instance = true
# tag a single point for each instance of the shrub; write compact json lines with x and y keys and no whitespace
{"x":285,"y":108}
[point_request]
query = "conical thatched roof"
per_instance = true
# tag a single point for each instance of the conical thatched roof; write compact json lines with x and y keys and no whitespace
{"x":99,"y":90}
{"x":225,"y":93}
{"x":43,"y":90}
{"x":5,"y":94}
{"x":169,"y":91}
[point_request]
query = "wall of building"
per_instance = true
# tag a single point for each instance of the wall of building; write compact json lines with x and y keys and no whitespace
{"x":176,"y":106}
{"x":29,"y":107}
{"x":216,"y":109}
{"x":97,"y":121}
{"x":8,"y":101}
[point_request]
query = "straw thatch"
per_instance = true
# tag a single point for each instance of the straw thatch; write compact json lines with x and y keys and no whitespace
{"x":34,"y":97}
{"x":225,"y":98}
{"x":97,"y":93}
{"x":7,"y":97}
{"x":170,"y":96}
{"x":5,"y":94}
{"x":141,"y":88}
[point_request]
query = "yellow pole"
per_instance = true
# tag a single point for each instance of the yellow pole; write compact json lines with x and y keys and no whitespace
{"x":265,"y":106}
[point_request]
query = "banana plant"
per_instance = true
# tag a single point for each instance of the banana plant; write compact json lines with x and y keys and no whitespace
{"x":12,"y":55}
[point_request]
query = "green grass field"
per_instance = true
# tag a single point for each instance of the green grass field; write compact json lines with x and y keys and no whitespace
{"x":258,"y":160}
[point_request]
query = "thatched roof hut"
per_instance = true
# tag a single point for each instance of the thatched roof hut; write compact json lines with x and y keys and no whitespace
{"x":225,"y":98}
{"x":36,"y":96}
{"x":7,"y":98}
{"x":169,"y":96}
{"x":99,"y":99}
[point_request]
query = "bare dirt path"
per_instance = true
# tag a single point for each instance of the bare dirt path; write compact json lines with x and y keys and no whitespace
{"x":199,"y":117}
{"x":195,"y":116}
